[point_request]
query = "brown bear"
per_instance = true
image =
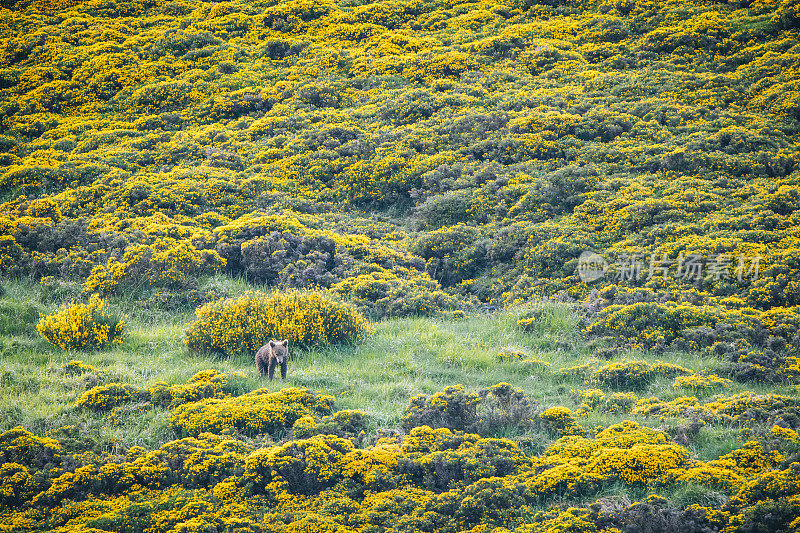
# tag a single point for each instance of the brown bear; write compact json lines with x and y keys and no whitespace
{"x":270,"y":355}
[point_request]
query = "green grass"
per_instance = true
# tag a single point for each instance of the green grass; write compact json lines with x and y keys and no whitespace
{"x":403,"y":358}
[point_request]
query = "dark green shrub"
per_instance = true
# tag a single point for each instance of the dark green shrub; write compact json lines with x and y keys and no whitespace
{"x":452,"y":408}
{"x":444,"y":209}
{"x":178,"y":42}
{"x":503,"y":409}
{"x":347,"y":424}
{"x":451,"y":254}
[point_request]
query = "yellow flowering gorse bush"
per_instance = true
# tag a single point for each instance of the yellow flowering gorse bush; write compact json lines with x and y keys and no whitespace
{"x":560,"y":421}
{"x":244,"y":324}
{"x":80,"y":326}
{"x":75,"y":367}
{"x":698,"y":383}
{"x":105,"y":397}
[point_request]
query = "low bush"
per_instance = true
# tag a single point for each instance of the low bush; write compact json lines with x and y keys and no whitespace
{"x":16,"y":484}
{"x":596,"y":399}
{"x":621,"y":402}
{"x":204,"y":384}
{"x":634,"y":374}
{"x":487,"y":411}
{"x":560,"y":421}
{"x":106,"y":397}
{"x":166,"y":265}
{"x":760,"y":412}
{"x":453,"y":408}
{"x":79,"y":326}
{"x":385,"y":294}
{"x":505,"y":408}
{"x":628,"y":374}
{"x":244,"y":324}
{"x":76,"y":368}
{"x":348,"y":424}
{"x":254,"y":413}
{"x":652,"y":323}
{"x":18,"y":445}
{"x":304,"y":466}
{"x":701,"y":384}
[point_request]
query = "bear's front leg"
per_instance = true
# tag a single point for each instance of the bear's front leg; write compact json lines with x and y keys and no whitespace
{"x":283,"y":370}
{"x":271,"y":368}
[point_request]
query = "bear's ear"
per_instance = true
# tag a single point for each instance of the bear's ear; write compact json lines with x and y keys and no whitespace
{"x":285,"y":342}
{"x":271,"y":344}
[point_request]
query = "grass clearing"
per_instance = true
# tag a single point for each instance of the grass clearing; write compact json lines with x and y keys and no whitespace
{"x":403,"y":358}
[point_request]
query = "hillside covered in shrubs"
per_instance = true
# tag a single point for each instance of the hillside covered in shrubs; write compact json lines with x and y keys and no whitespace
{"x":182,"y":180}
{"x":447,"y":472}
{"x":412,"y":157}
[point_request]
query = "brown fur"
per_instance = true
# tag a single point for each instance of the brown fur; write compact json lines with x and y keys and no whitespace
{"x":271,"y":355}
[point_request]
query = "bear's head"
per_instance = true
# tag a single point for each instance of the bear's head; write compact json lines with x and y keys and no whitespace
{"x":280,"y":349}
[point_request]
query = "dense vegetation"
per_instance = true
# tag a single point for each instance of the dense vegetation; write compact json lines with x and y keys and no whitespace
{"x":142,"y":436}
{"x":408,"y":159}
